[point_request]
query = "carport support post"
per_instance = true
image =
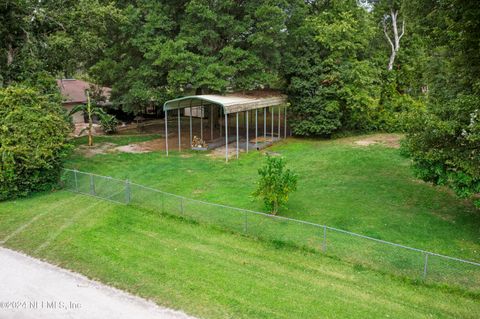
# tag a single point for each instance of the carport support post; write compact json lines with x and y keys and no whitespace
{"x":220,"y":111}
{"x":264,"y":125}
{"x":226,"y":137}
{"x":201,"y":121}
{"x":256,"y":127}
{"x":279,"y":121}
{"x":179,"y":132}
{"x":191,"y":134}
{"x":166,"y":131}
{"x":211,"y":122}
{"x":236,"y":116}
{"x":247,"y":129}
{"x":273,"y":120}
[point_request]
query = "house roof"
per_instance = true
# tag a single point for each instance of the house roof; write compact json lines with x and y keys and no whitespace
{"x":232,"y":103}
{"x":73,"y":91}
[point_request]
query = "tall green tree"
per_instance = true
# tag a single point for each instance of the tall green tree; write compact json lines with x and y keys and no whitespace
{"x":128,"y":65}
{"x":332,"y":82}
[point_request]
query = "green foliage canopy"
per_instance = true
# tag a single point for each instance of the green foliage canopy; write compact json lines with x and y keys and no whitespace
{"x":53,"y":37}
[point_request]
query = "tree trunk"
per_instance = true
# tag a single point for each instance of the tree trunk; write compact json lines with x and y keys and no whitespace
{"x":275,"y":208}
{"x":90,"y":123}
{"x":90,"y":138}
{"x":395,"y":44}
{"x":392,"y":60}
{"x":10,"y":54}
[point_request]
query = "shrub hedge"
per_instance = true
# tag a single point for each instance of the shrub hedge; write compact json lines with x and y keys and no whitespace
{"x":34,"y":132}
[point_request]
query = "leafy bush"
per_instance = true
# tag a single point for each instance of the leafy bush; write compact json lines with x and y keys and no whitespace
{"x":444,"y":143}
{"x":109,"y":123}
{"x":33,"y":141}
{"x":393,"y":114}
{"x":275,"y":184}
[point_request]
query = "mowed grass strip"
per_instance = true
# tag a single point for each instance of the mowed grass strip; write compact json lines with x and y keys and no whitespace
{"x":19,"y":214}
{"x":370,"y":190}
{"x":215,"y":274}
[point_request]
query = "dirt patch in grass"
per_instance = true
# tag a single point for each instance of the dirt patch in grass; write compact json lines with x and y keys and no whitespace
{"x":388,"y":140}
{"x":101,"y":148}
{"x":219,"y":152}
{"x":131,"y":148}
{"x":143,"y":147}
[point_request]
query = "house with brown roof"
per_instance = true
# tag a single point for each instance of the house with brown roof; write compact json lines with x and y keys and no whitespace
{"x":74,"y":93}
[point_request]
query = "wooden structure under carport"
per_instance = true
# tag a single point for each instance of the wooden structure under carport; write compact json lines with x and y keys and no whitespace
{"x":229,"y":105}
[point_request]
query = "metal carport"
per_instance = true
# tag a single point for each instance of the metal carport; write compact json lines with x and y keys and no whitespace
{"x":231,"y":104}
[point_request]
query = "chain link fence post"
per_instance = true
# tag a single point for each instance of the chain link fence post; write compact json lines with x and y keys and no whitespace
{"x":181,"y":206}
{"x":425,"y":266}
{"x":324,"y":244}
{"x":163,"y":203}
{"x":92,"y":185}
{"x":245,"y":226}
{"x":76,"y":180}
{"x":127,"y":192}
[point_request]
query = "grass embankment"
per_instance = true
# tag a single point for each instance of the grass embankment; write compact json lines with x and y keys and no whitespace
{"x":208,"y":272}
{"x":365,"y":189}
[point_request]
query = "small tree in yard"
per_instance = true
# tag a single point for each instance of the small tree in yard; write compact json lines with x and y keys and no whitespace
{"x":275,"y":183}
{"x":108,"y":122}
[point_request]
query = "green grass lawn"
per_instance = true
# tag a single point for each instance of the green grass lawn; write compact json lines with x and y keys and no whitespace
{"x":369,"y":190}
{"x":209,"y":272}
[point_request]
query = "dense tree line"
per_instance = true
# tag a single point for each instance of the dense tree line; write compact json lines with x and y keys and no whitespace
{"x":164,"y":48}
{"x":346,"y":65}
{"x":444,"y":139}
{"x":330,"y":57}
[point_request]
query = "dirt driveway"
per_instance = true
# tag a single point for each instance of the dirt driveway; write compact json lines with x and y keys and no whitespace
{"x":30,"y":288}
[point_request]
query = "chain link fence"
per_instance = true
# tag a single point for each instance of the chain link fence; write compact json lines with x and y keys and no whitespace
{"x":358,"y":249}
